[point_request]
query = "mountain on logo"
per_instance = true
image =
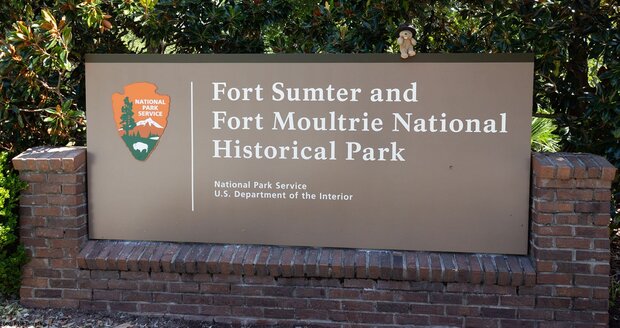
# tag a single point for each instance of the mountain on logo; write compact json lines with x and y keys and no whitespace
{"x":149,"y":122}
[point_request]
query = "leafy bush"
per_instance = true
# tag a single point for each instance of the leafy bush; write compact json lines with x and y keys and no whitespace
{"x":543,"y":138}
{"x":12,"y":255}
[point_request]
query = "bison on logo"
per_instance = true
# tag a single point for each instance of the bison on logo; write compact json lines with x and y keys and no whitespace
{"x":141,"y":115}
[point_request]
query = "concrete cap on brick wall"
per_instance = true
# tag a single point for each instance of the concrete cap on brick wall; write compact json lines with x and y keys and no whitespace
{"x":51,"y":159}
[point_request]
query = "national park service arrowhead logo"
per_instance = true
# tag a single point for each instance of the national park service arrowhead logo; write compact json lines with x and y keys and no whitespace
{"x":141,"y":116}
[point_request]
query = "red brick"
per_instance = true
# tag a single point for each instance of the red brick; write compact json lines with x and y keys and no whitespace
{"x":46,"y":273}
{"x":337,"y":263}
{"x":602,"y":195}
{"x":73,"y":189}
{"x":449,"y":265}
{"x":446,"y":321}
{"x":544,"y":194}
{"x":312,"y":314}
{"x":215,"y":288}
{"x":279,"y":313}
{"x":123,"y":284}
{"x":385,"y":265}
{"x":412,"y":271}
{"x":575,"y":194}
{"x":463,"y":311}
{"x":279,"y":291}
{"x":46,"y":188}
{"x":392,"y":307}
{"x":197,"y":299}
{"x":377,"y":295}
{"x":542,"y":166}
{"x":592,"y":184}
{"x":260,"y":265}
{"x":590,"y":304}
{"x":168,"y":256}
{"x":225,"y":261}
{"x":437,"y":271}
{"x":324,"y":261}
{"x":476,"y":269}
{"x":64,"y":303}
{"x":481,"y":322}
{"x":412,"y":319}
{"x":359,"y":283}
{"x":554,"y":278}
{"x":552,"y":230}
{"x":592,"y":207}
{"x":535,"y":314}
{"x":592,"y":280}
{"x":323,"y":304}
{"x":152,"y":286}
{"x":428,"y":309}
{"x":601,"y":244}
{"x":360,"y":265}
{"x":165,"y":276}
{"x":186,"y":309}
{"x":63,"y":283}
{"x":183,"y":287}
{"x":553,"y":302}
{"x":510,"y":323}
{"x":48,"y":252}
{"x":576,"y":243}
{"x":517,"y":301}
{"x":237,"y":260}
{"x":414,"y":297}
{"x":601,"y":269}
{"x":358,"y":306}
{"x":482,"y":299}
{"x":37,"y":282}
{"x":446,"y":298}
{"x":107,"y":295}
{"x":552,"y":254}
{"x":369,"y":317}
{"x":494,"y":312}
{"x":349,"y":264}
{"x":592,"y":256}
{"x":544,"y":242}
{"x":167,"y":298}
{"x":462,"y":267}
{"x":153,"y":308}
{"x":78,"y":294}
{"x":542,"y":218}
{"x":202,"y":258}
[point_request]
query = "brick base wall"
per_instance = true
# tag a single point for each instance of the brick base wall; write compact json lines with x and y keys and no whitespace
{"x":563,"y":282}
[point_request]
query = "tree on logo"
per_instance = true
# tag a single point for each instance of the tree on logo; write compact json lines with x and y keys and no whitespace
{"x":127,"y":121}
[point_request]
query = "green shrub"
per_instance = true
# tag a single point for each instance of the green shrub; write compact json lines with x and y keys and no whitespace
{"x":543,"y":137}
{"x":12,"y":255}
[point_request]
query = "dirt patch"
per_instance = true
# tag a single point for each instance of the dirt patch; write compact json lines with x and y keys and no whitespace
{"x":13,"y":315}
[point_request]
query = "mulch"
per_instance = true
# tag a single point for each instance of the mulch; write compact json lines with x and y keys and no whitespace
{"x":13,"y":315}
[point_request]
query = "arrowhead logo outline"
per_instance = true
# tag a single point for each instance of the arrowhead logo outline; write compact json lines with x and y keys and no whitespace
{"x":141,"y":117}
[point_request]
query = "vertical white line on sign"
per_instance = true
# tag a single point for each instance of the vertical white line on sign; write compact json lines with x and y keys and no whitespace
{"x":191,"y":104}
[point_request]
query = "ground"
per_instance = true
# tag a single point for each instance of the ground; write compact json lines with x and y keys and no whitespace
{"x":12,"y":315}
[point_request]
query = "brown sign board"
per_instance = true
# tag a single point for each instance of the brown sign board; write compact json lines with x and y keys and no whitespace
{"x":355,"y":151}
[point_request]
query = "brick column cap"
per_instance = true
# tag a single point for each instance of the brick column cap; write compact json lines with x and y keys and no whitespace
{"x":572,"y":166}
{"x":51,"y":159}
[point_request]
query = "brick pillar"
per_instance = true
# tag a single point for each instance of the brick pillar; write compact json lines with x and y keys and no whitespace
{"x":53,"y":224}
{"x":569,"y":237}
